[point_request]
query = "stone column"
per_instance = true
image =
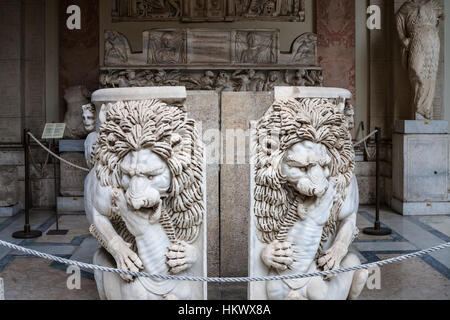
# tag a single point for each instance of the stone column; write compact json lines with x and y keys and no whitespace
{"x":34,"y":37}
{"x":11,"y":64}
{"x":22,"y":88}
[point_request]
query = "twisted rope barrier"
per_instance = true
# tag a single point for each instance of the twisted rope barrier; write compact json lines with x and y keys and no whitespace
{"x":222,"y":280}
{"x":366,"y":138}
{"x":55,"y":155}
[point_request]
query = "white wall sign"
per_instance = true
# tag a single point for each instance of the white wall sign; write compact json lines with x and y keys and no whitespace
{"x":54,"y":131}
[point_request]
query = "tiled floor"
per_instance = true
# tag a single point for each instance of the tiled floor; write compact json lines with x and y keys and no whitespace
{"x":29,"y":278}
{"x":422,"y":278}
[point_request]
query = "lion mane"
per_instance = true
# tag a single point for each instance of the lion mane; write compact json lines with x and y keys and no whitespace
{"x":285,"y":124}
{"x":165,"y":130}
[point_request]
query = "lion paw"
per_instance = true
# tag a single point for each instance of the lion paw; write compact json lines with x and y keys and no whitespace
{"x":332,"y":258}
{"x":278,"y":255}
{"x":181,"y":257}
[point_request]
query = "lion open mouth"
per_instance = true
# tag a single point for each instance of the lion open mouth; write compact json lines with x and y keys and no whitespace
{"x":154,"y":213}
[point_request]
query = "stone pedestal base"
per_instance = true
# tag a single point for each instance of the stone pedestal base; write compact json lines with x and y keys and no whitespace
{"x":9,"y":211}
{"x":421,"y":208}
{"x":420,"y":168}
{"x":70,"y":205}
{"x":71,"y":146}
{"x":72,"y":179}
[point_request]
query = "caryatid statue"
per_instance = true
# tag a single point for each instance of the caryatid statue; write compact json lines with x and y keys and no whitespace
{"x":417,"y":25}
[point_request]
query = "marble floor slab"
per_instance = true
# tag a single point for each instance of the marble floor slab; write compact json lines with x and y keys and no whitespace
{"x":29,"y":278}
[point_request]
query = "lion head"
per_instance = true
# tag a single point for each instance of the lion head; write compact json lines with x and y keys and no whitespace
{"x":301,"y":147}
{"x":152,"y":152}
{"x":306,"y":166}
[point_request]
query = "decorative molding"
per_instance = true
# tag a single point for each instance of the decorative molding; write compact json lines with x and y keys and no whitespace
{"x":208,"y":10}
{"x":220,"y":80}
{"x":211,"y":59}
{"x":146,"y":10}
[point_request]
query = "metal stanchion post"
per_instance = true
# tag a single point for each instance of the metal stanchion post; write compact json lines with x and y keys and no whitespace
{"x":27,"y":233}
{"x":56,"y":232}
{"x":377,"y":230}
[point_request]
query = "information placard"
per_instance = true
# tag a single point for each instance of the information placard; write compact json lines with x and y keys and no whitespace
{"x":54,"y":131}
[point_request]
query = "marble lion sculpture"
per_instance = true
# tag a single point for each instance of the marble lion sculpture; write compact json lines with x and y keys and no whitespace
{"x":144,"y":199}
{"x":306,"y":199}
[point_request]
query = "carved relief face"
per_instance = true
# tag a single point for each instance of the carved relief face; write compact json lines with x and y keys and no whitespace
{"x":146,"y":179}
{"x":306,"y":166}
